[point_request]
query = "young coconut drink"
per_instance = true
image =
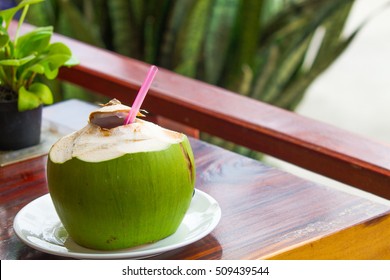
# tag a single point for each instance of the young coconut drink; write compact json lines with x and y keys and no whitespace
{"x":116,"y":186}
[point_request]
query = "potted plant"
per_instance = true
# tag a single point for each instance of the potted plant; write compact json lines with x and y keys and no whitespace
{"x":22,"y":60}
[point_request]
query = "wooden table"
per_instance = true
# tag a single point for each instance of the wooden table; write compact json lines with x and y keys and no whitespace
{"x":266,"y":213}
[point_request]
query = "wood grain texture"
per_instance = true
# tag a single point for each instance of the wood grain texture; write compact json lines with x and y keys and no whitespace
{"x":316,"y":146}
{"x":368,"y":240}
{"x":265,"y":212}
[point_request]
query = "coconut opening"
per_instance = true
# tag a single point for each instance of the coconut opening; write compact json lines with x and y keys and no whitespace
{"x":111,"y":114}
{"x":105,"y":137}
{"x":109,"y":121}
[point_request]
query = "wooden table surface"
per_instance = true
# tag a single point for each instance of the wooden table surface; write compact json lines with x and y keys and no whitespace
{"x":266,"y":213}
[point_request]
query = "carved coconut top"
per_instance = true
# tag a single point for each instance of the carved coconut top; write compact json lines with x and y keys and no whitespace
{"x":105,"y":137}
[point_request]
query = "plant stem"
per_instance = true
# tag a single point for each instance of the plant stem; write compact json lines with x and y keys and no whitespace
{"x":3,"y":76}
{"x":21,"y":20}
{"x":30,"y":80}
{"x":13,"y":78}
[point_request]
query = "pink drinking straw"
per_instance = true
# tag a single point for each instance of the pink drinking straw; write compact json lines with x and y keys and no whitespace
{"x":141,"y":95}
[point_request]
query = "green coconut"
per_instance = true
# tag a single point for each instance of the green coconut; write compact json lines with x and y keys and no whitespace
{"x":118,"y":186}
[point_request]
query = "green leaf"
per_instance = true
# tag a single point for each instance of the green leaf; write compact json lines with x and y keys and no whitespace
{"x":48,"y":63}
{"x":75,"y":24}
{"x":333,"y":25}
{"x":285,"y":72}
{"x":179,"y":12}
{"x":4,"y":37}
{"x":42,"y":14}
{"x":3,"y":40}
{"x":244,"y":44}
{"x":27,"y":100}
{"x":43,"y":92}
{"x":265,"y":65}
{"x":218,"y":37}
{"x":58,"y":55}
{"x":137,"y":8}
{"x":51,"y":74}
{"x":248,"y":30}
{"x":17,"y":62}
{"x":72,"y":61}
{"x":125,"y":33}
{"x":154,"y":25}
{"x":36,"y":68}
{"x":191,"y":36}
{"x":8,"y":14}
{"x":59,"y":48}
{"x":35,"y":41}
{"x":55,"y":61}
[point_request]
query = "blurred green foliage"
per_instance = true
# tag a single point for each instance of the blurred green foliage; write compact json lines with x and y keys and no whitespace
{"x":264,"y":49}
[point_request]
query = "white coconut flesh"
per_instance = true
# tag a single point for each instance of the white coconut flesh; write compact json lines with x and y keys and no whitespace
{"x":105,"y":137}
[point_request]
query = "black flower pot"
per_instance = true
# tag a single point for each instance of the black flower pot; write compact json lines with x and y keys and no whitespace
{"x":19,"y":129}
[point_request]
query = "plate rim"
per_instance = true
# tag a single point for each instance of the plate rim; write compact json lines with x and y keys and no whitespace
{"x":122,"y":253}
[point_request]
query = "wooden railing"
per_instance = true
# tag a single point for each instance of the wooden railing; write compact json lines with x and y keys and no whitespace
{"x":313,"y":145}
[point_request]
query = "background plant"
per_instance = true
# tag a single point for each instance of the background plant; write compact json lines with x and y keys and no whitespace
{"x":259,"y":48}
{"x":26,"y":56}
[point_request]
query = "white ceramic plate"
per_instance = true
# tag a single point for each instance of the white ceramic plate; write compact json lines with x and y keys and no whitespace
{"x":38,"y":225}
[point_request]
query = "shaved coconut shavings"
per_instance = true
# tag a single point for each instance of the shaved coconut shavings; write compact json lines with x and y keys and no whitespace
{"x":94,"y":143}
